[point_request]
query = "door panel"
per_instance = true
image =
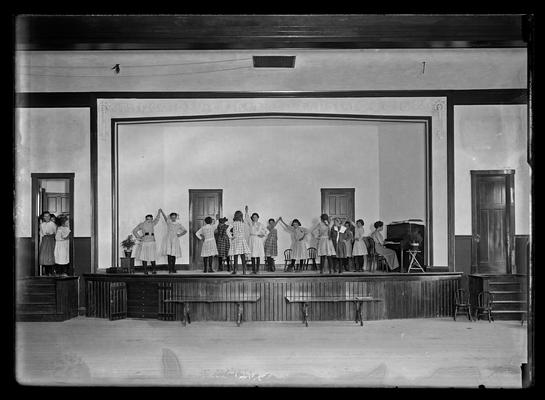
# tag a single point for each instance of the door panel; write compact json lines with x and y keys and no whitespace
{"x":338,"y":203}
{"x":203,"y":204}
{"x":490,"y":229}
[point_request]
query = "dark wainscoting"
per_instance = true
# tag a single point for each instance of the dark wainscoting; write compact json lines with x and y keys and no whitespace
{"x":522,"y":253}
{"x":403,"y":295}
{"x":462,"y":258}
{"x":23,"y":257}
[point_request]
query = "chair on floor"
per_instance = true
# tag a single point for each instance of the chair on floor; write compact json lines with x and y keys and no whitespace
{"x":376,"y":261}
{"x":461,"y":303}
{"x":287,"y":259}
{"x":485,"y":301}
{"x":311,"y":256}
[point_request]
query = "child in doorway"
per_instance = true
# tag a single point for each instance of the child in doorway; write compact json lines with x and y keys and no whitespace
{"x":62,"y":246}
{"x":298,"y":244}
{"x":209,"y":249}
{"x":271,"y":244}
{"x":170,"y":246}
{"x":148,"y":250}
{"x":48,"y":230}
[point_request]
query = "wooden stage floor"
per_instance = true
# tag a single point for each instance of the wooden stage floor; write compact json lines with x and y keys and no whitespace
{"x":436,"y":352}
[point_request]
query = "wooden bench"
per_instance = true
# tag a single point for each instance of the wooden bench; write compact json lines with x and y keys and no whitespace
{"x":184,"y":301}
{"x":357,"y":300}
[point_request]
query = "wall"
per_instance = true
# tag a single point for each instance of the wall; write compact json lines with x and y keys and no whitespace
{"x":402,"y":165}
{"x":370,"y":69}
{"x":52,"y":140}
{"x":491,"y":137}
{"x":276,"y":167}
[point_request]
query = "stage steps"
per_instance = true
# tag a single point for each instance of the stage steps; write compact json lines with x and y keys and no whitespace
{"x":509,"y":297}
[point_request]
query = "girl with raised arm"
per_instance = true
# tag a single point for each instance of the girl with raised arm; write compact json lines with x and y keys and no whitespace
{"x":298,"y":243}
{"x":148,"y":251}
{"x":359,"y":251}
{"x":257,"y":233}
{"x":209,"y":249}
{"x":223,"y":240}
{"x":239,"y":246}
{"x":171,"y":242}
{"x":325,"y":245}
{"x":271,"y":244}
{"x":338,"y":236}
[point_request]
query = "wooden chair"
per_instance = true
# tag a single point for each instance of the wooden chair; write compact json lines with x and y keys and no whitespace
{"x":376,"y":261}
{"x":287,"y":259}
{"x":485,"y":301}
{"x":461,"y":303}
{"x":311,"y":256}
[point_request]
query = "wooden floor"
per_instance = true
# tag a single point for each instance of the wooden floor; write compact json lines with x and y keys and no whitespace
{"x":406,"y":353}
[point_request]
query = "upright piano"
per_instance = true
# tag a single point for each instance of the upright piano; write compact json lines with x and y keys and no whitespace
{"x":397,"y":233}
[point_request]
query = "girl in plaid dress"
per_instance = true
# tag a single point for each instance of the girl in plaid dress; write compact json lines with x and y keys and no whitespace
{"x":325,"y":245}
{"x":239,"y":246}
{"x":298,"y":244}
{"x":271,"y":244}
{"x":223,"y":243}
{"x":349,"y":239}
{"x":209,"y":249}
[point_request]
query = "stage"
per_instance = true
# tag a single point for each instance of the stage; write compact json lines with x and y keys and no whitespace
{"x":396,"y":295}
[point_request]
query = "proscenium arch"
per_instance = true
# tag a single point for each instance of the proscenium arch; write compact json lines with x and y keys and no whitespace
{"x":116,"y":122}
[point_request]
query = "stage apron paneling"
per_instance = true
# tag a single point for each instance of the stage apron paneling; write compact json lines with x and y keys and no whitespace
{"x":401,"y":296}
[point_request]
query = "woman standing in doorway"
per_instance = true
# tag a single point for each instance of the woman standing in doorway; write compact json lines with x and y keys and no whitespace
{"x":48,"y":230}
{"x":389,"y":254}
{"x":62,"y":246}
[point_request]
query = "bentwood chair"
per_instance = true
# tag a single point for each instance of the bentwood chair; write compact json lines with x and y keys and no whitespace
{"x":376,"y":261}
{"x":461,"y":303}
{"x":311,"y":256}
{"x":287,"y":259}
{"x":485,"y":300}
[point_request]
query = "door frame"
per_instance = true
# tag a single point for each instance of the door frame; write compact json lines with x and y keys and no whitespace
{"x":509,"y":175}
{"x":35,"y":178}
{"x":192,"y":193}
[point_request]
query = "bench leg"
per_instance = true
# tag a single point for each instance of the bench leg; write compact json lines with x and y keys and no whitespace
{"x":186,"y":319}
{"x":359,"y":316}
{"x":305,"y":314}
{"x":239,"y":314}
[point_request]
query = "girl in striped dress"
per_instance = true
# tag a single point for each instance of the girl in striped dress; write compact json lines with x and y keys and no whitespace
{"x":170,"y":246}
{"x":148,"y":250}
{"x":271,"y":244}
{"x":338,"y":236}
{"x":298,"y":243}
{"x":257,"y":234}
{"x":48,"y":230}
{"x":360,"y":249}
{"x":209,"y":249}
{"x":239,"y":246}
{"x":62,"y":245}
{"x":223,"y":243}
{"x":325,"y":245}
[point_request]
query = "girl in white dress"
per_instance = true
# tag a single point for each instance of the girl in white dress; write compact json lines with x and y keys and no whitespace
{"x":148,"y":250}
{"x":325,"y":244}
{"x":48,"y":230}
{"x":209,"y":249}
{"x":171,"y":242}
{"x":239,"y":245}
{"x":62,"y":246}
{"x":359,"y":251}
{"x":256,"y":243}
{"x":298,"y":243}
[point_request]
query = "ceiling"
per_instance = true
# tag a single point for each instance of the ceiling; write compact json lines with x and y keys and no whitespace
{"x":210,"y":32}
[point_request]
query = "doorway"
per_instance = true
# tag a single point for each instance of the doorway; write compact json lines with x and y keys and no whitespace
{"x":202,"y":203}
{"x":53,"y":192}
{"x":338,"y":203}
{"x":492,"y":221}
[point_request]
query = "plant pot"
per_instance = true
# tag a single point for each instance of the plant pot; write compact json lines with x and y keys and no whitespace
{"x":128,"y":253}
{"x":415,"y":246}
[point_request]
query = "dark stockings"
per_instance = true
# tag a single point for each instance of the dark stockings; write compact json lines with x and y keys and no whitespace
{"x":171,"y":264}
{"x":243,"y":260}
{"x":145,"y":265}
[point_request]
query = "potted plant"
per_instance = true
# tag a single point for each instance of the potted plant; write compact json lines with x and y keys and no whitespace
{"x":127,"y":245}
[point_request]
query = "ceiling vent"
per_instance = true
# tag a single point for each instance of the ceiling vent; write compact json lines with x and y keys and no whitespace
{"x":274,"y":61}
